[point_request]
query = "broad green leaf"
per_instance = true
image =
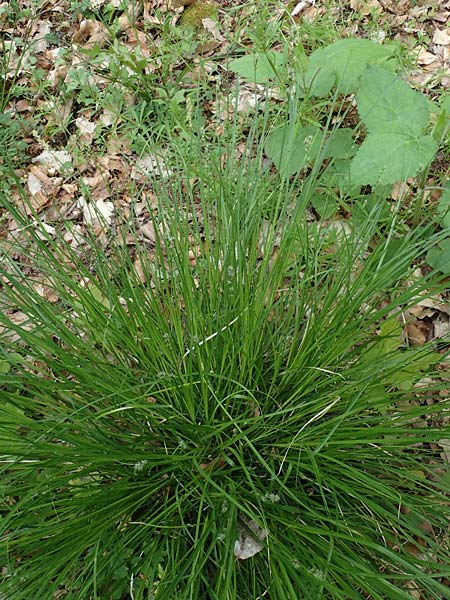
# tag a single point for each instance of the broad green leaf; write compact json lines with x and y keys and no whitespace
{"x":442,"y":124}
{"x":444,"y":207}
{"x":405,"y":378}
{"x":389,"y":157}
{"x":445,"y":104}
{"x":340,"y":144}
{"x":342,"y":64}
{"x":338,"y":175}
{"x":389,"y":340}
{"x":385,"y":101}
{"x":439,"y":257}
{"x":291,"y":147}
{"x":300,"y":59}
{"x":325,"y":205}
{"x":4,"y":367}
{"x":390,"y":332}
{"x":258,"y":67}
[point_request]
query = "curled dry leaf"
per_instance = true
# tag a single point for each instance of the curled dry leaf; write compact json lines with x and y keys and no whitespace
{"x":300,"y":7}
{"x":210,"y":25}
{"x":41,"y":187}
{"x":85,"y":126}
{"x":441,"y":326}
{"x":426,"y":58}
{"x":46,"y":292}
{"x":98,"y":185}
{"x":41,"y":30}
{"x":400,"y":190}
{"x":16,"y":317}
{"x":148,"y":231}
{"x":418,"y":332}
{"x":44,"y":230}
{"x":34,"y":184}
{"x":90,"y":33}
{"x":23,"y":106}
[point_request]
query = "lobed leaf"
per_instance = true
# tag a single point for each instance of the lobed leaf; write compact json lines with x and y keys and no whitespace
{"x":389,"y":157}
{"x":384,"y":100}
{"x":343,"y":63}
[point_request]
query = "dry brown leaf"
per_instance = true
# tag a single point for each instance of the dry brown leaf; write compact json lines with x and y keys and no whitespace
{"x":364,"y":7}
{"x":98,"y":185}
{"x":54,"y":160}
{"x":39,"y":32}
{"x":426,"y":58}
{"x":441,"y":16}
{"x":441,"y":326}
{"x":49,"y":230}
{"x":41,"y":187}
{"x":441,"y":37}
{"x":46,"y":292}
{"x":149,"y":165}
{"x":445,"y":445}
{"x":97,"y":214}
{"x":212,"y":464}
{"x":23,"y":106}
{"x":300,"y":7}
{"x":311,"y":13}
{"x":3,"y":7}
{"x":17,"y":318}
{"x":90,"y":33}
{"x":250,"y":539}
{"x":400,"y":190}
{"x":86,"y":129}
{"x":210,"y":25}
{"x":418,"y":332}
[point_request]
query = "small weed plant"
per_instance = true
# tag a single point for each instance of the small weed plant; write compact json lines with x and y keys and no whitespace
{"x":396,"y":139}
{"x":242,"y":417}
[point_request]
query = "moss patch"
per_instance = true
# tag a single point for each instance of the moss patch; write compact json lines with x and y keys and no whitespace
{"x":193,"y":15}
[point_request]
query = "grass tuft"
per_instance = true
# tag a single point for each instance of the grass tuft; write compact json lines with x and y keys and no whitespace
{"x":148,"y":419}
